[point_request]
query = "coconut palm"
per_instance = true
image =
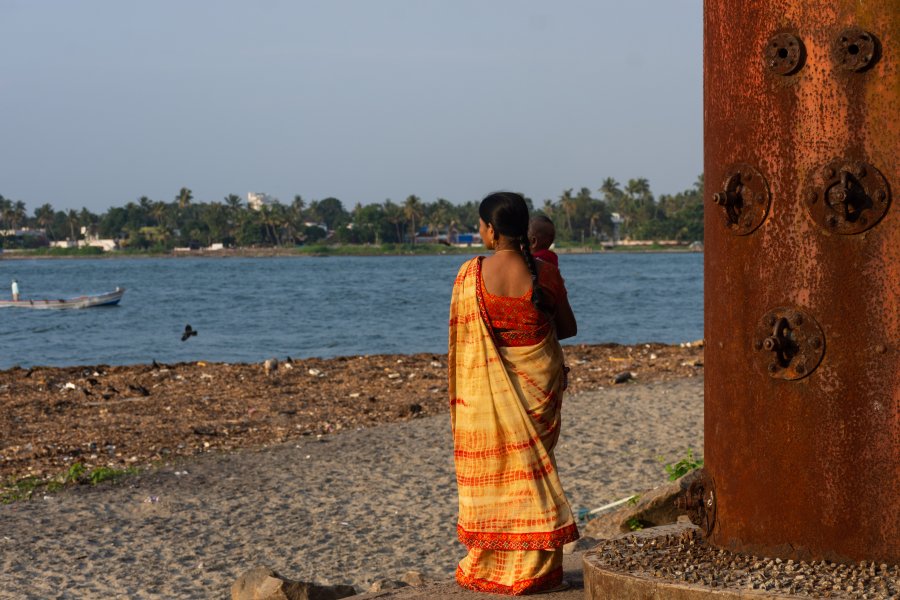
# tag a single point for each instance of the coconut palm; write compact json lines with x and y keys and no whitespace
{"x":412,"y":210}
{"x":73,"y":223}
{"x":567,"y":204}
{"x":44,"y":215}
{"x":393,"y":214}
{"x":184,"y":198}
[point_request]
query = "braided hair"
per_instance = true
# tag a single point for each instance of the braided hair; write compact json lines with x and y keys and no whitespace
{"x":507,"y":213}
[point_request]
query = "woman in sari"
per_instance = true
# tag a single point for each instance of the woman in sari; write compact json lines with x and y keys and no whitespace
{"x":507,"y":315}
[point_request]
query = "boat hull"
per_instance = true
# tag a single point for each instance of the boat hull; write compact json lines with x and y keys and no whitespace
{"x":108,"y":299}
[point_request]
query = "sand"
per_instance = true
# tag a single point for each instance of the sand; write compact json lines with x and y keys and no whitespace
{"x":346,"y":508}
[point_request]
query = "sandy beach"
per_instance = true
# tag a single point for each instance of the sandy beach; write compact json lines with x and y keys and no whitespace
{"x":350,"y":507}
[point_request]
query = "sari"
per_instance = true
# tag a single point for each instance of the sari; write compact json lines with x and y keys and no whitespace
{"x":505,"y":397}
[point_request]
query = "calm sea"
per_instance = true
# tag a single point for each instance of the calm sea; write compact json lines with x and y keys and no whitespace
{"x":250,"y":309}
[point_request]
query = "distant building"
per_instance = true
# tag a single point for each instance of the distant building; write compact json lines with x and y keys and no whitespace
{"x":91,"y":240}
{"x":321,"y":226}
{"x":256,"y":200}
{"x":23,"y":232}
{"x":617,"y":221}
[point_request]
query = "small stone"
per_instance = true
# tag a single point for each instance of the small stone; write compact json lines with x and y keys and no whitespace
{"x":413,"y":579}
{"x":380,"y":585}
{"x":270,"y":365}
{"x":623,"y":377}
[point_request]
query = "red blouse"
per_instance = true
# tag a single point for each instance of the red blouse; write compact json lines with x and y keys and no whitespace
{"x":516,"y":321}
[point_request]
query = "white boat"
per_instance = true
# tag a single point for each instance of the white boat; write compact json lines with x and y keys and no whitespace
{"x":107,"y":299}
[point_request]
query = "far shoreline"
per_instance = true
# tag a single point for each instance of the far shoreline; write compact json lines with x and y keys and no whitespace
{"x":331,"y":251}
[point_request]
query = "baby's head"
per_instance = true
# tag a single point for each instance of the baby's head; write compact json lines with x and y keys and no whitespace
{"x":541,"y":232}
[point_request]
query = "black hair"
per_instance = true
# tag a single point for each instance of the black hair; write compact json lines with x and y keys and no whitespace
{"x":507,"y":213}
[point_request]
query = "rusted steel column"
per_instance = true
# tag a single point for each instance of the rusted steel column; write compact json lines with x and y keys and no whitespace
{"x":802,"y":268}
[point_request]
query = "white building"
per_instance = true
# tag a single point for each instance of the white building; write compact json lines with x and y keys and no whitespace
{"x":91,"y":240}
{"x":256,"y":200}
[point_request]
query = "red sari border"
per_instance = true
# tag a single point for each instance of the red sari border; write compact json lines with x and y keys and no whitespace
{"x":519,"y":588}
{"x":490,"y":540}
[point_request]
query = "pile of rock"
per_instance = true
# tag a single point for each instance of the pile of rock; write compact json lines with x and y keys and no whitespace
{"x":679,"y":553}
{"x":262,"y":583}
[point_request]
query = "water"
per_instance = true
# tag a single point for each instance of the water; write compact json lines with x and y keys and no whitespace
{"x":250,"y":309}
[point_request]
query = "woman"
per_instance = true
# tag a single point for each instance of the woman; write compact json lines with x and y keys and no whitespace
{"x":507,"y":315}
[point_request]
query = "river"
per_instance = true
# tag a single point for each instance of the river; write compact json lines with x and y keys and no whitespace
{"x":250,"y":309}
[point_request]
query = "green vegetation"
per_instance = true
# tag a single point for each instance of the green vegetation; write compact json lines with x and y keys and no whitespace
{"x":84,"y":251}
{"x":26,"y":487}
{"x":683,"y":466}
{"x":584,"y":219}
{"x":634,"y":524}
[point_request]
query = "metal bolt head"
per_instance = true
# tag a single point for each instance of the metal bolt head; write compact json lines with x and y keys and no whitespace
{"x":854,"y":49}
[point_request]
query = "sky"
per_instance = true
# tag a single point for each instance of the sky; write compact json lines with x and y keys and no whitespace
{"x":103,"y":102}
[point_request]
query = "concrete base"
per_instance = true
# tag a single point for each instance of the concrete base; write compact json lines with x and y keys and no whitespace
{"x":603,"y":582}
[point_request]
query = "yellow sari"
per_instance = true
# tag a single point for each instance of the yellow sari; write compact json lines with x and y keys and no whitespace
{"x":505,"y":413}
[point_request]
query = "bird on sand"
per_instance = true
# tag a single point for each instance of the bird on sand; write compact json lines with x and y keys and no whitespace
{"x":188,"y":332}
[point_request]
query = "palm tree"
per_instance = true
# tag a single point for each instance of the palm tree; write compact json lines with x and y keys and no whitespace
{"x":17,"y":214}
{"x":72,"y":220}
{"x":567,"y":203}
{"x":88,"y":220}
{"x":233,"y":202}
{"x":5,"y":205}
{"x":268,"y":218}
{"x":297,"y":206}
{"x":611,"y":190}
{"x":639,"y":190}
{"x":146,"y":204}
{"x":393,"y":214}
{"x":44,"y":215}
{"x":184,"y":198}
{"x":412,"y":210}
{"x":440,"y":214}
{"x":158,"y":211}
{"x":296,"y":214}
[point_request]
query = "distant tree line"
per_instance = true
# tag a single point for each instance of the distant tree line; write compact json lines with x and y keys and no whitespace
{"x":627,"y":211}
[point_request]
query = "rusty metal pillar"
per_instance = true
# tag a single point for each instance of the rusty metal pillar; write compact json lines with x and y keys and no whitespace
{"x":802,"y":269}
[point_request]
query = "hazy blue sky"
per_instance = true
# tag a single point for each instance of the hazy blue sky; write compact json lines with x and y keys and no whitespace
{"x":105,"y":101}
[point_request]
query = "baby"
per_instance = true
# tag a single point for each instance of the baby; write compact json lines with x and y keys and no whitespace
{"x":541,"y":234}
